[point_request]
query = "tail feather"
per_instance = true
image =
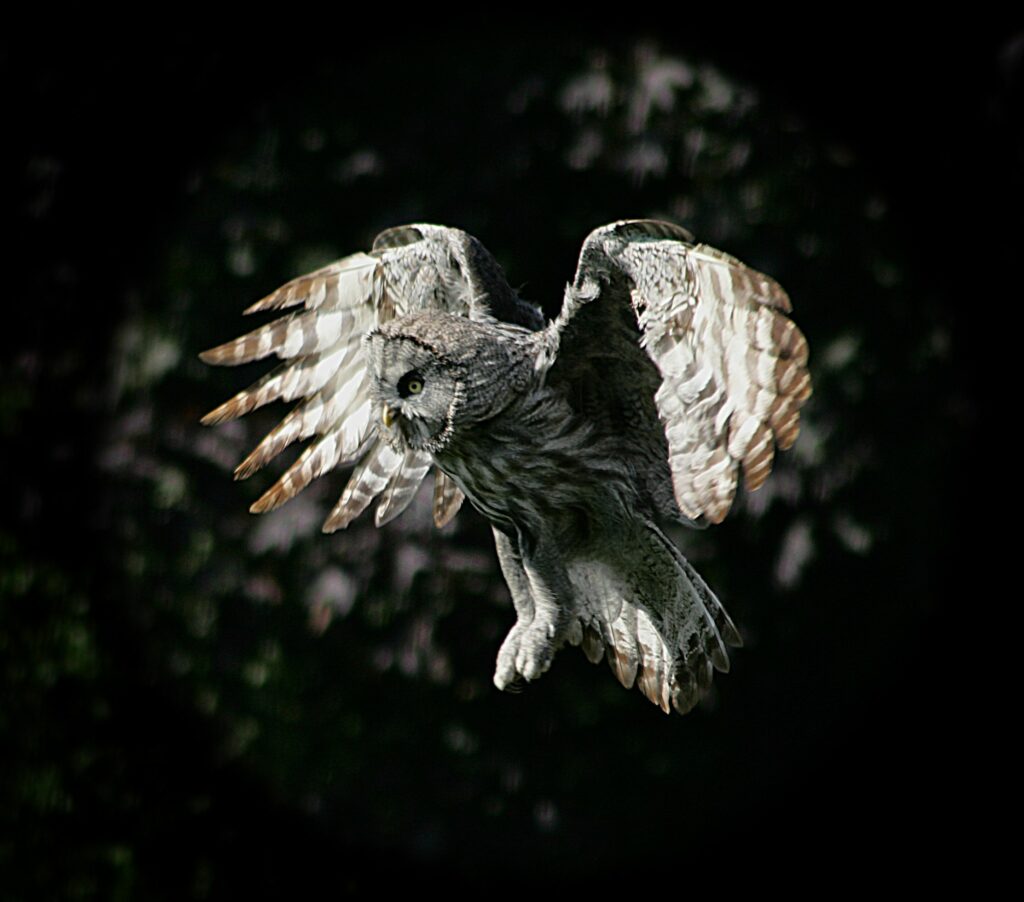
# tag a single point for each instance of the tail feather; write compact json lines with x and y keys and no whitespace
{"x":659,"y":625}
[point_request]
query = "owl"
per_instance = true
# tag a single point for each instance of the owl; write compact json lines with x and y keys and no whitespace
{"x":671,"y":368}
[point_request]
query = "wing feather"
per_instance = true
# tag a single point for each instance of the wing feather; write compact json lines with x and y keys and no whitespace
{"x":402,"y":486}
{"x":410,"y":268}
{"x":342,"y":406}
{"x":730,"y":366}
{"x":448,"y":499}
{"x":345,"y":282}
{"x":367,"y":481}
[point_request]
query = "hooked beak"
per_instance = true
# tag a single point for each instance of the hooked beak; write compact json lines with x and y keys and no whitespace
{"x":387,"y":416}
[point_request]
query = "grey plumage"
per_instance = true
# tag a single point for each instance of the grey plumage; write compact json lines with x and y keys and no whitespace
{"x":671,"y":368}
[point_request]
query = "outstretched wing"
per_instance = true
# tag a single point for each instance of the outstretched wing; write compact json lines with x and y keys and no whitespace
{"x":708,"y":334}
{"x":410,"y":268}
{"x":687,"y":356}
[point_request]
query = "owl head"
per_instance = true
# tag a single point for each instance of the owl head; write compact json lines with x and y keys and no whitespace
{"x":415,"y":387}
{"x":433,"y":374}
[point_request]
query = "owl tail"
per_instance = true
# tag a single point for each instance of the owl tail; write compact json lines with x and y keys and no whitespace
{"x":655,"y":620}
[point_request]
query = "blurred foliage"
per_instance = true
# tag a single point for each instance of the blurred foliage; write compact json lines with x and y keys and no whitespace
{"x":198,"y":702}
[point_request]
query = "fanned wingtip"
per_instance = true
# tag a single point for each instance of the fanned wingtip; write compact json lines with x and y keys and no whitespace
{"x":234,"y":353}
{"x":311,"y":288}
{"x":787,"y":430}
{"x":342,"y":514}
{"x":215,"y":356}
{"x":217,"y":415}
{"x":231,"y":409}
{"x":273,"y":498}
{"x":339,"y":519}
{"x":267,"y":302}
{"x":247,"y":467}
{"x":288,"y":295}
{"x":386,"y":511}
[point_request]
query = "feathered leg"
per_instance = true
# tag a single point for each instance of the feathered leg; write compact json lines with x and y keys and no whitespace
{"x":519,"y":585}
{"x":541,"y":594}
{"x":515,"y":575}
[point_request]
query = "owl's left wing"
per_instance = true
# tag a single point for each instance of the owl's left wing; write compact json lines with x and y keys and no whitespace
{"x":410,"y":268}
{"x":682,"y":359}
{"x":650,"y":311}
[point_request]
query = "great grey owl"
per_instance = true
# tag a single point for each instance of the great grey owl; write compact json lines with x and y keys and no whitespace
{"x":671,"y":367}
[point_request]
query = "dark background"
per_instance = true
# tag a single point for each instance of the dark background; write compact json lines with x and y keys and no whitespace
{"x":197,"y":703}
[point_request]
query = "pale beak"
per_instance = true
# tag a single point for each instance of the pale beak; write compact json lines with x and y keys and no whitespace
{"x":387,"y":416}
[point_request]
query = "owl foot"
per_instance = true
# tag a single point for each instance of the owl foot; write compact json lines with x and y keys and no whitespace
{"x":527,"y":652}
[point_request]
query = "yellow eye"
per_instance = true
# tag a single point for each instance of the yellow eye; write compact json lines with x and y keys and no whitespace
{"x":410,"y":384}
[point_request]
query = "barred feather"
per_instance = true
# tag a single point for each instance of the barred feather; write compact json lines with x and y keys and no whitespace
{"x":448,"y":499}
{"x":324,"y":454}
{"x":623,"y":651}
{"x":402,"y":486}
{"x":733,"y":366}
{"x":285,"y":383}
{"x":652,"y":617}
{"x":410,"y":268}
{"x":294,"y":335}
{"x":368,"y":480}
{"x":346,"y":283}
{"x":344,"y":407}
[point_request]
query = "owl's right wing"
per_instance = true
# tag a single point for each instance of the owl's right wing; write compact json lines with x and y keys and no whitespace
{"x":409,"y":268}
